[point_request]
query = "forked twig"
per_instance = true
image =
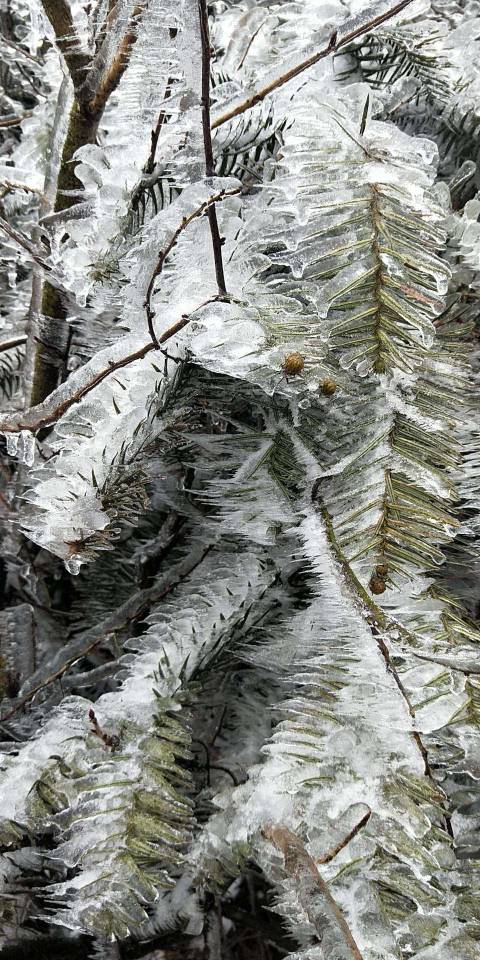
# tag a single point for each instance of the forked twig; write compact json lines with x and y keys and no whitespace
{"x":302,"y":867}
{"x":206,"y":206}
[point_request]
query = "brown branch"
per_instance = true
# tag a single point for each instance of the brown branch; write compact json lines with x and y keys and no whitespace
{"x":334,"y":851}
{"x":48,"y":412}
{"x":15,"y":121}
{"x":66,"y":38}
{"x":334,"y":44}
{"x":250,"y":42}
{"x":207,"y":143}
{"x":303,"y":869}
{"x":13,"y":342}
{"x":109,"y":741}
{"x":163,"y":117}
{"x":205,"y":206}
{"x":87,"y":109}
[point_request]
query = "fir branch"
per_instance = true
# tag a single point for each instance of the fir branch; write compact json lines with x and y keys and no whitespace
{"x":133,"y":610}
{"x":380,"y":624}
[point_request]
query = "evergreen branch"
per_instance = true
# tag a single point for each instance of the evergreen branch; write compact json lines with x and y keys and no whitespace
{"x":379,"y":624}
{"x":301,"y":867}
{"x":333,"y":46}
{"x":387,"y":56}
{"x":130,"y":612}
{"x":207,"y":144}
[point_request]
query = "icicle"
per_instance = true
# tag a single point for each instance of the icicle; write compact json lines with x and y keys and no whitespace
{"x":12,"y":444}
{"x":26,"y":450}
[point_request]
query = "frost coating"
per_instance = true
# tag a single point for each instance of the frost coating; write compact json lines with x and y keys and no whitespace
{"x":239,"y":647}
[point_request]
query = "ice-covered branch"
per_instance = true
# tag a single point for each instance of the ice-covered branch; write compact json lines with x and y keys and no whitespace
{"x":207,"y":143}
{"x":86,"y":379}
{"x":15,"y":121}
{"x":348,"y":32}
{"x":334,"y":851}
{"x":133,"y":610}
{"x":110,"y":79}
{"x":59,"y":14}
{"x":380,"y":624}
{"x":301,"y":867}
{"x":13,"y":342}
{"x":25,"y":243}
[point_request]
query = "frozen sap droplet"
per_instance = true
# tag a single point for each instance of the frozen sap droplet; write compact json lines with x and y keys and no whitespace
{"x":12,"y":444}
{"x":72,"y":565}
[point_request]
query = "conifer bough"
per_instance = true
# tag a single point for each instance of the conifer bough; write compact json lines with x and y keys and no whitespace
{"x":239,"y":484}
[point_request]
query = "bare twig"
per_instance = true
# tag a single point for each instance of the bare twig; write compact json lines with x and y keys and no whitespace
{"x":13,"y":342}
{"x":334,"y":44}
{"x":163,"y":117}
{"x":50,"y":410}
{"x":110,"y":741}
{"x":207,"y":143}
{"x":20,"y":50}
{"x":17,"y":185}
{"x":302,"y":868}
{"x":15,"y":121}
{"x":334,"y":851}
{"x":198,"y":212}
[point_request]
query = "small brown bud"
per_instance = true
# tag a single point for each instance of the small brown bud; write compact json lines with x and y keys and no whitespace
{"x":328,"y":387}
{"x":377,"y":585}
{"x":381,"y":570}
{"x":293,"y":364}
